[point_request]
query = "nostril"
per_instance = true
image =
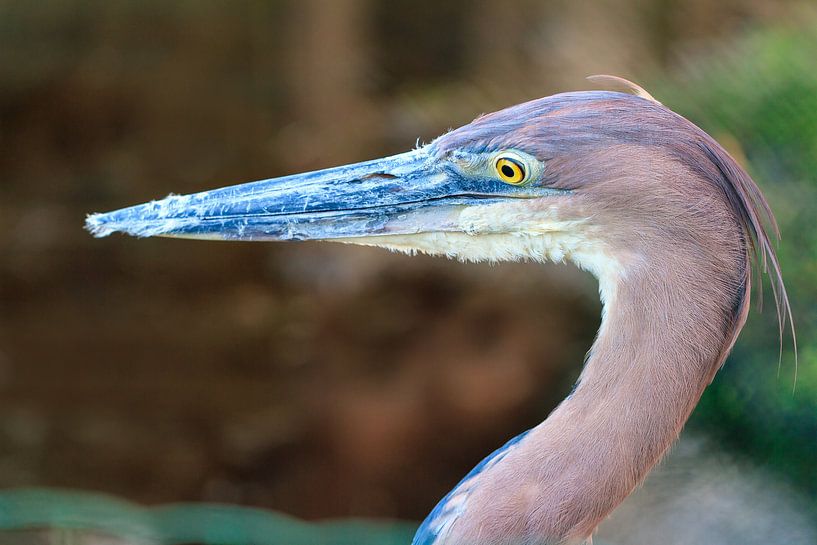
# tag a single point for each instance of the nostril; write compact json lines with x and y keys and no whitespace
{"x":384,"y":175}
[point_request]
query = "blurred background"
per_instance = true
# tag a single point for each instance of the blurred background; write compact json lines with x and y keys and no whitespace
{"x":328,"y":381}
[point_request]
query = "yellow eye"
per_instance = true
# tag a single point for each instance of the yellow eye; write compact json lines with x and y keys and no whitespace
{"x":510,"y":170}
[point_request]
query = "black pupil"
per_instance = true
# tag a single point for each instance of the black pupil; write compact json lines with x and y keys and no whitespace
{"x":508,"y":171}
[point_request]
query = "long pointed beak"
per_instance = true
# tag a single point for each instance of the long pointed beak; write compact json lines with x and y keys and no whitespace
{"x":409,"y":193}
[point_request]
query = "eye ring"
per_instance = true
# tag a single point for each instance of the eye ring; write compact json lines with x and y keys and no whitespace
{"x":511,"y":170}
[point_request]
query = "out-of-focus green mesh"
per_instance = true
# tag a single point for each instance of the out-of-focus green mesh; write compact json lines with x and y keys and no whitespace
{"x":89,"y":517}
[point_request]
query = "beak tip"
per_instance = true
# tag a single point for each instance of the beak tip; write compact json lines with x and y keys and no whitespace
{"x":105,"y":224}
{"x":99,"y":225}
{"x":151,"y":219}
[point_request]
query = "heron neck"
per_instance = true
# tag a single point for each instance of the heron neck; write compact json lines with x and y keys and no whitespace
{"x":658,"y":347}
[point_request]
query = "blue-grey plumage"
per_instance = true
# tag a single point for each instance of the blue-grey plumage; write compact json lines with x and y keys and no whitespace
{"x":618,"y":184}
{"x":445,"y":513}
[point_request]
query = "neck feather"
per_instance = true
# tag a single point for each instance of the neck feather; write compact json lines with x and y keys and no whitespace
{"x":665,"y":331}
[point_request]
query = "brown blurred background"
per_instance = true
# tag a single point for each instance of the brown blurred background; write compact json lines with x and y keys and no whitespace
{"x":320,"y":380}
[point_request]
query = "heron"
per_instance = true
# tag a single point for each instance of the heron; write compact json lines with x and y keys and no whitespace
{"x":673,"y":228}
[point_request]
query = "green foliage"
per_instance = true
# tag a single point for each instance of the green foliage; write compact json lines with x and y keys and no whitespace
{"x":84,"y":513}
{"x":763,"y":95}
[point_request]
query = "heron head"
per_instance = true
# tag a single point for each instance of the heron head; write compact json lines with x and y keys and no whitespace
{"x":444,"y":197}
{"x":602,"y":178}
